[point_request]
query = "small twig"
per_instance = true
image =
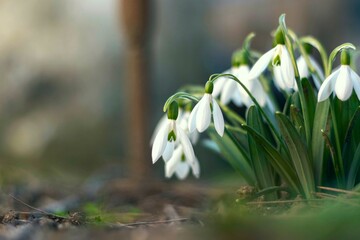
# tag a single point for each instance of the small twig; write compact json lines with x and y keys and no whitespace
{"x":153,"y":222}
{"x":339,"y":190}
{"x":34,"y":208}
{"x":324,"y":195}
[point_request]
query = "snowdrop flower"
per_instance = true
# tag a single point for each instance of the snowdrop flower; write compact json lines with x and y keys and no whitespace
{"x":180,"y":164}
{"x":200,"y":116}
{"x":283,"y":68}
{"x":304,"y":70}
{"x":170,"y":135}
{"x":341,"y":82}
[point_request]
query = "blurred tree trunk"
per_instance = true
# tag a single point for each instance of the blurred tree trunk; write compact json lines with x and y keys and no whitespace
{"x":135,"y":19}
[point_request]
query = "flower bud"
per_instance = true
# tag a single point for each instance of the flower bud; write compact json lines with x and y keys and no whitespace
{"x":240,"y":58}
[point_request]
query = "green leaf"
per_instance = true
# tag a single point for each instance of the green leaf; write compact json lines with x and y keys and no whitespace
{"x":310,"y":100}
{"x":318,"y":143}
{"x":352,"y":138}
{"x":281,"y":165}
{"x":299,"y":154}
{"x":262,"y":168}
{"x":234,"y":153}
{"x":297,"y":120}
{"x":354,"y":169}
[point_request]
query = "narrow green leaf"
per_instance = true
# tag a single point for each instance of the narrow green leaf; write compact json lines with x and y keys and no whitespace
{"x":262,"y":169}
{"x":299,"y":154}
{"x":354,"y":169}
{"x":318,"y":143}
{"x":310,"y":100}
{"x":281,"y":166}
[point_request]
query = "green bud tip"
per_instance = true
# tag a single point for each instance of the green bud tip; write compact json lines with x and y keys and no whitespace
{"x":345,"y":57}
{"x":173,"y":110}
{"x":171,"y":136}
{"x":279,"y":37}
{"x":240,"y":58}
{"x":209,"y":87}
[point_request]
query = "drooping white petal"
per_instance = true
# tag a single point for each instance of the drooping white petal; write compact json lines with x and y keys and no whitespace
{"x":194,"y":137}
{"x":278,"y":78}
{"x":203,"y":115}
{"x":258,"y":92}
{"x":320,"y":72}
{"x":261,"y":64}
{"x":302,"y":67}
{"x":287,"y":69}
{"x":343,"y":85}
{"x":228,"y":91}
{"x":192,"y":118}
{"x":169,"y":149}
{"x":170,"y":166}
{"x":163,"y":120}
{"x":356,"y":81}
{"x":327,"y":86}
{"x":182,"y":170}
{"x":186,"y":145}
{"x":218,"y":118}
{"x":237,"y":97}
{"x":160,"y":142}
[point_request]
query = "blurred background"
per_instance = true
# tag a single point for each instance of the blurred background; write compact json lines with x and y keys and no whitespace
{"x":65,"y":86}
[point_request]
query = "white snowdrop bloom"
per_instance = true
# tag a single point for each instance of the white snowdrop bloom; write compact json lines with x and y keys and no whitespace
{"x":168,"y":136}
{"x":305,"y":73}
{"x":200,"y":116}
{"x":342,"y":82}
{"x":180,"y":164}
{"x":283,"y":67}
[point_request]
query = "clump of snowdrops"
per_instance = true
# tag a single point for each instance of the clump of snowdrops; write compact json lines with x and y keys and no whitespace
{"x":301,"y":128}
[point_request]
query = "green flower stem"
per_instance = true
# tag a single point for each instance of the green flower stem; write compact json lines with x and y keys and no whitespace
{"x":179,"y":95}
{"x":290,"y":48}
{"x":339,"y":159}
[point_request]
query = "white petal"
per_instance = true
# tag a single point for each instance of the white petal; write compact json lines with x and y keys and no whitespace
{"x":327,"y":86}
{"x":320,"y":72}
{"x":356,"y":81}
{"x":237,"y":97}
{"x":163,"y":121}
{"x":228,"y":91}
{"x":261,"y":64}
{"x":287,"y":69}
{"x":192,"y":118}
{"x":258,"y":92}
{"x":184,"y":121}
{"x":278,"y":78}
{"x":186,"y":145}
{"x":203,"y":115}
{"x":302,"y":67}
{"x":160,"y":143}
{"x":182,"y":170}
{"x":218,"y":118}
{"x":170,"y":166}
{"x":169,"y":149}
{"x":343,"y":85}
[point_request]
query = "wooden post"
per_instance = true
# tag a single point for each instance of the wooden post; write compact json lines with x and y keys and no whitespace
{"x":135,"y":19}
